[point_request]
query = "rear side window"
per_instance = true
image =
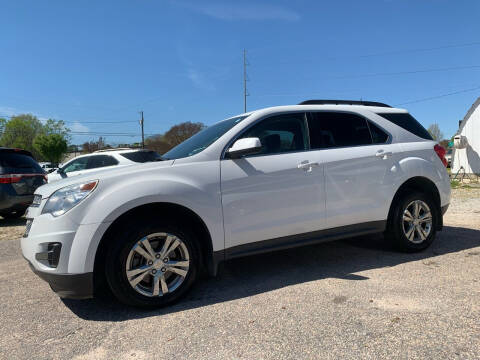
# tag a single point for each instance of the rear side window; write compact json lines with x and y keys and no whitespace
{"x":332,"y":129}
{"x":407,"y":122}
{"x":98,"y":161}
{"x":378,"y":135}
{"x":142,"y":156}
{"x":11,"y":163}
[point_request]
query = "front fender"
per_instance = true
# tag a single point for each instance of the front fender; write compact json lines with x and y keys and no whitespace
{"x":115,"y":197}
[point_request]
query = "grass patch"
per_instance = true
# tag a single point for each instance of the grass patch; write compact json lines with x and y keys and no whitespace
{"x":455,"y":184}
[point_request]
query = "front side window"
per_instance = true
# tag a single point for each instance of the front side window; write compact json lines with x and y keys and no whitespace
{"x":76,"y":165}
{"x":337,"y":129}
{"x":280,"y":133}
{"x":98,"y":161}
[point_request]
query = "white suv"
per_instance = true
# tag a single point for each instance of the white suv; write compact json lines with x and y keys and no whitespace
{"x":102,"y":160}
{"x":269,"y":179}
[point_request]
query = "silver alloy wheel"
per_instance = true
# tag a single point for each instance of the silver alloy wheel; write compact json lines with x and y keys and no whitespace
{"x":417,"y":221}
{"x":157,"y":264}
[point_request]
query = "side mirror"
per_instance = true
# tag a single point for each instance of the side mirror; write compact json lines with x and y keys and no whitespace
{"x":242,"y":147}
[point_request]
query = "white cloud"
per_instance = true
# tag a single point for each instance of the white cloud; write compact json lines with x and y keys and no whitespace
{"x":8,"y":111}
{"x":78,"y":127}
{"x":199,"y":80}
{"x":236,"y":11}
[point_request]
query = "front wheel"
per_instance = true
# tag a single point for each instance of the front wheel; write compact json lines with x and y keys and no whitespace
{"x":152,"y":266}
{"x":413,"y":222}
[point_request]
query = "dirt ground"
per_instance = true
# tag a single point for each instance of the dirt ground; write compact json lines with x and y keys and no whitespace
{"x":346,"y":299}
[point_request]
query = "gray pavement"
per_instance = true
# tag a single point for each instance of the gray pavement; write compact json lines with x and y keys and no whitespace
{"x":349,"y":299}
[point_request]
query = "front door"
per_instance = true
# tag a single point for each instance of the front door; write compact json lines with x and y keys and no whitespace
{"x":275,"y":193}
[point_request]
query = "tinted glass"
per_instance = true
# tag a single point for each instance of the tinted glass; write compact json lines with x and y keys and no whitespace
{"x":378,"y":135}
{"x":330,"y":129}
{"x":18,"y":163}
{"x":408,"y":122}
{"x":76,"y":165}
{"x":98,"y":161}
{"x":201,"y":140}
{"x":281,"y":133}
{"x":142,"y":156}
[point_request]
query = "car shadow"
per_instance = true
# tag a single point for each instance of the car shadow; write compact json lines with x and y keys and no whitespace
{"x":12,"y":222}
{"x":244,"y":277}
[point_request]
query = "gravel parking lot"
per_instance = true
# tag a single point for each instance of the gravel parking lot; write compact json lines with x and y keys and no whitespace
{"x":355,"y":299}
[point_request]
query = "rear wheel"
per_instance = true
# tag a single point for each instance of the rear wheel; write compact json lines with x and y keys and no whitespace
{"x":153,"y":265}
{"x":413,"y":222}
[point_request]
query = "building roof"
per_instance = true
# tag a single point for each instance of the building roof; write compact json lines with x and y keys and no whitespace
{"x":467,"y":116}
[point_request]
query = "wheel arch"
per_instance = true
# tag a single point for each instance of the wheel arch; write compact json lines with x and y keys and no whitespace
{"x":170,"y":210}
{"x":422,"y":184}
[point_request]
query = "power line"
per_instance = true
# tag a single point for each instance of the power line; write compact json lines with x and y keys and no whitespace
{"x":409,"y":72}
{"x":438,"y":96}
{"x":386,"y":53}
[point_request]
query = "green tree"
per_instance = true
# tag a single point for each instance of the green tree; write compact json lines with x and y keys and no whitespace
{"x":3,"y":122}
{"x":181,"y":132}
{"x":158,"y":144}
{"x":435,"y":131}
{"x":51,"y":146}
{"x":21,"y":131}
{"x":57,"y":127}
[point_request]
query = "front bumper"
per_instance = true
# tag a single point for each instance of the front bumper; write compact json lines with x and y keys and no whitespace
{"x":12,"y":203}
{"x":69,"y":286}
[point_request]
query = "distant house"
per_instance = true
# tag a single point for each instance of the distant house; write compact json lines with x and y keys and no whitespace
{"x":469,"y":157}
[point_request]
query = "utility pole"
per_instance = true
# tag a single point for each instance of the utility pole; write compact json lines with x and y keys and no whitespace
{"x":245,"y":79}
{"x":141,"y":124}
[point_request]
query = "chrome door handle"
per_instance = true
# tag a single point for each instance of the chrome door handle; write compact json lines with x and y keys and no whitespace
{"x":383,"y":154}
{"x":306,"y":165}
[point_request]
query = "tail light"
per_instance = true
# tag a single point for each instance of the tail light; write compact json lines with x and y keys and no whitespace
{"x":441,"y":153}
{"x":15,"y":178}
{"x":10,"y":178}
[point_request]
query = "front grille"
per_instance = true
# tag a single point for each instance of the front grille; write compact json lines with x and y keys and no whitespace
{"x":28,"y":226}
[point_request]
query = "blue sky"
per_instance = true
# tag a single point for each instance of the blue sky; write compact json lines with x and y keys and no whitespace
{"x":89,"y":62}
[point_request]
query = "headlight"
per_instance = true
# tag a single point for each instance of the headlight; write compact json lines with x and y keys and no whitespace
{"x":66,"y":198}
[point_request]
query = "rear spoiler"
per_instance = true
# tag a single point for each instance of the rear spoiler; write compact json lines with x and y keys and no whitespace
{"x":16,"y":151}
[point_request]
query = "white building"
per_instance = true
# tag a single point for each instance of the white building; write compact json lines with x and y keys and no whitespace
{"x":469,"y":157}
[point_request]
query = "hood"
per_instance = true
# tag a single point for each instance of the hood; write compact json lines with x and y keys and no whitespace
{"x":121,"y":171}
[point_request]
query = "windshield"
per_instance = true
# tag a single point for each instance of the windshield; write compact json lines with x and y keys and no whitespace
{"x":201,"y":140}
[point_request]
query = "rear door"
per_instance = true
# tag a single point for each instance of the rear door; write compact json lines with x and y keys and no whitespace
{"x":273,"y":194}
{"x":359,"y":164}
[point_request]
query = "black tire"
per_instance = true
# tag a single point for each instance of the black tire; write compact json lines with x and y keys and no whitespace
{"x":120,"y":246}
{"x":395,"y":232}
{"x":14,"y":215}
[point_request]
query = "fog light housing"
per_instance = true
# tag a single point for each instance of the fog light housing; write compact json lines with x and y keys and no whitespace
{"x":51,"y":256}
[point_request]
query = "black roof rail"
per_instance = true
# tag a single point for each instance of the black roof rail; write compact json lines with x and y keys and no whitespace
{"x":343,"y":102}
